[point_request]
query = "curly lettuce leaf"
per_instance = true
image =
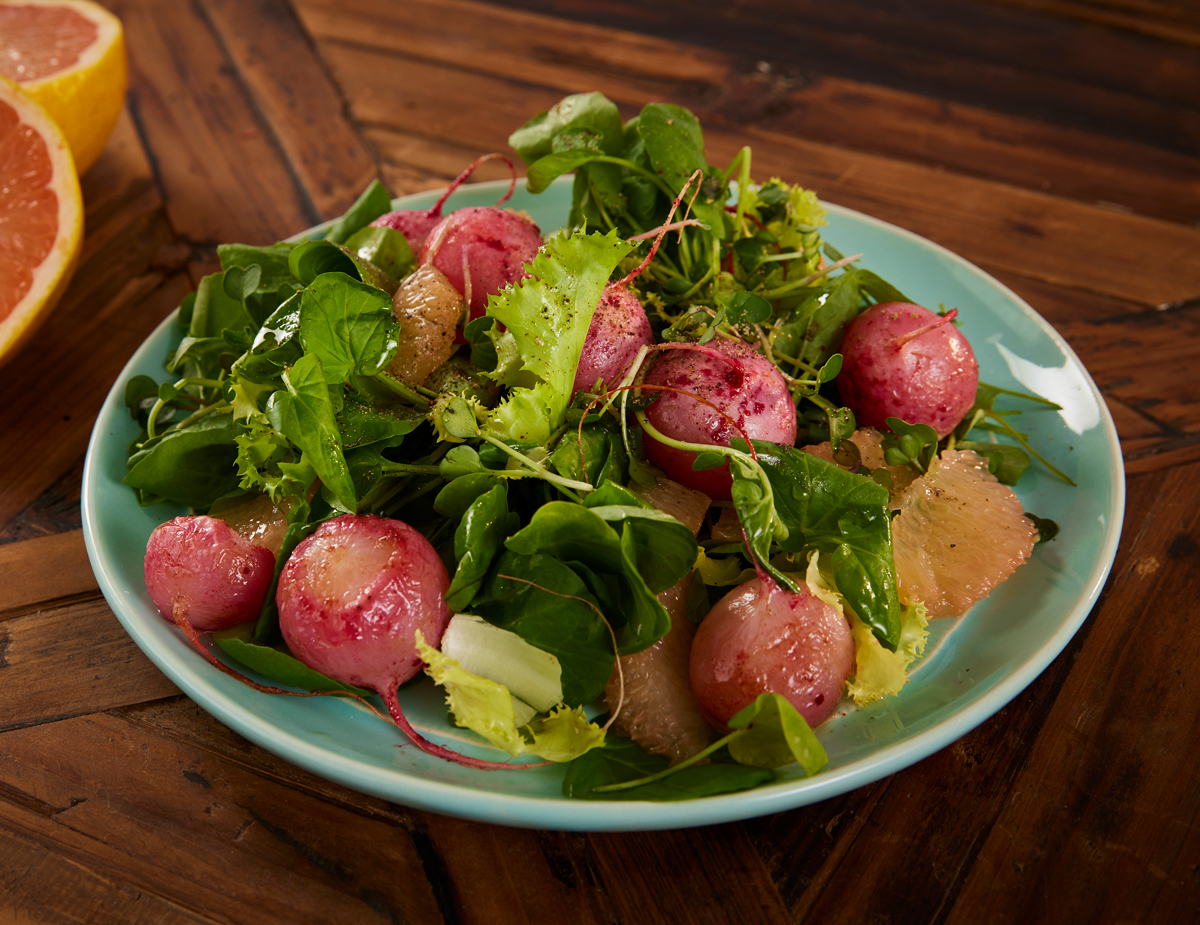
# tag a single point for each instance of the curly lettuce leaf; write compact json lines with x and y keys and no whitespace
{"x":547,"y":317}
{"x":486,"y":707}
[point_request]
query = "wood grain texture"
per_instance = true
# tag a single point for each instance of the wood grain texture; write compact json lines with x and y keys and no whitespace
{"x":44,"y":569}
{"x":1056,"y":143}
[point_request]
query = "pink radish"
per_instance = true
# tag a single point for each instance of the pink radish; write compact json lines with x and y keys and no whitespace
{"x":351,"y":599}
{"x":741,"y":394}
{"x":198,"y":569}
{"x":901,"y":360}
{"x":619,"y":329}
{"x":481,"y":250}
{"x":416,"y":224}
{"x":761,"y":639}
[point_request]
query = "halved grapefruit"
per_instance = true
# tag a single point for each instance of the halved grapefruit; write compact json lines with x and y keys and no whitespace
{"x":41,"y":216}
{"x":69,"y":55}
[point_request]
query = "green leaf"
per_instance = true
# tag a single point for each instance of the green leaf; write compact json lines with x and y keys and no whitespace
{"x":548,"y":605}
{"x":590,"y":113}
{"x":348,"y":325}
{"x":486,"y":708}
{"x":282,"y":668}
{"x":675,"y":149}
{"x":305,"y":414}
{"x":775,"y":736}
{"x":192,"y":466}
{"x":373,"y":203}
{"x":1008,"y":463}
{"x":548,"y":317}
{"x":620,"y":760}
{"x":844,"y":515}
{"x":385,"y":248}
{"x":478,"y":539}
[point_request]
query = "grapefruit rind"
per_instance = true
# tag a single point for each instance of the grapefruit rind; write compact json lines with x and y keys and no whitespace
{"x":52,"y":275}
{"x":86,"y":99}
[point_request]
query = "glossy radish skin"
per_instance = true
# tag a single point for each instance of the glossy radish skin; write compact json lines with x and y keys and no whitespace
{"x":492,"y":246}
{"x":742,"y":383}
{"x":930,"y":378}
{"x":199,"y":568}
{"x":619,"y":329}
{"x":414,"y":224}
{"x":761,"y":639}
{"x":353,"y":595}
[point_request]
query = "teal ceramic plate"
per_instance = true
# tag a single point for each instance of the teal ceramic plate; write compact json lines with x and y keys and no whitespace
{"x":971,"y":669}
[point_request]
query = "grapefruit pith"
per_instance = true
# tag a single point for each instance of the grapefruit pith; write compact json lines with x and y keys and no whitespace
{"x":41,"y":216}
{"x":69,"y":55}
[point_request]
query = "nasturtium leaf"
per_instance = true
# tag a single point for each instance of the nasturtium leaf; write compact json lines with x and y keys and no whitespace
{"x":775,"y":736}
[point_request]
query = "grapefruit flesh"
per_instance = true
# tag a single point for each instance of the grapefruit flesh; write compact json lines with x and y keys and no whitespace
{"x":41,"y":216}
{"x":959,"y":534}
{"x":69,"y":56}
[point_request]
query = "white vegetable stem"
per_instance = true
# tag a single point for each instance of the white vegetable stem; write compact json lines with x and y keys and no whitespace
{"x":530,"y":674}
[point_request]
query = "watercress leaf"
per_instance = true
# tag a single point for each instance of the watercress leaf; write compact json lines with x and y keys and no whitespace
{"x":845,"y":515}
{"x":478,"y":539}
{"x":1008,"y":463}
{"x":373,"y":203}
{"x":547,"y":317}
{"x":348,"y":325}
{"x":756,"y":515}
{"x":674,"y":146}
{"x":192,"y":466}
{"x":621,"y":760}
{"x":462,"y":460}
{"x":306,"y":415}
{"x":282,"y":668}
{"x":747,"y":308}
{"x":385,"y":248}
{"x":590,"y":113}
{"x":776,"y":735}
{"x":545,"y":170}
{"x":548,"y":605}
{"x":705,"y":461}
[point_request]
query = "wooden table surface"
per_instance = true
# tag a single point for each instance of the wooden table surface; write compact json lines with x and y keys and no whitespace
{"x":1055,"y":143}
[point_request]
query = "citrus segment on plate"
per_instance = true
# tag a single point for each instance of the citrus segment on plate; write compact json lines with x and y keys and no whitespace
{"x":41,"y":216}
{"x":69,"y":55}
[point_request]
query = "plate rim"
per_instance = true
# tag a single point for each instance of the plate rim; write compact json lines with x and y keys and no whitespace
{"x":486,"y":805}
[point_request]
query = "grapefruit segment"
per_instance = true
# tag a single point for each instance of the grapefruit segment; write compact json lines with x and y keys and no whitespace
{"x":959,"y":534}
{"x":41,"y":216}
{"x":69,"y":55}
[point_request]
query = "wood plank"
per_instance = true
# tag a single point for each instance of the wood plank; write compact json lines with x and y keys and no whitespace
{"x":44,"y":569}
{"x":713,"y":872}
{"x":1147,"y":361}
{"x":71,"y":660}
{"x":731,"y":90}
{"x":224,"y":177}
{"x":1101,"y":822}
{"x":290,"y":89}
{"x":56,"y":510}
{"x":39,"y":887}
{"x":997,"y":226}
{"x":214,"y":838}
{"x":1022,"y":62}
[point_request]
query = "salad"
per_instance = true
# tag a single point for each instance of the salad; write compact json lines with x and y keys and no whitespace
{"x":532,"y":467}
